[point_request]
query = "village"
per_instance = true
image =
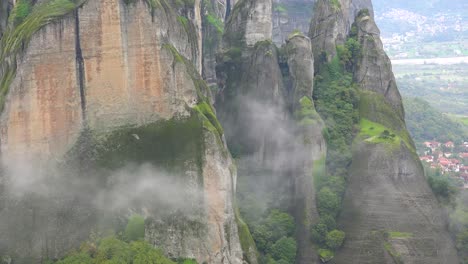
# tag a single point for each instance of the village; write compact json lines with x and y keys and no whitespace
{"x":448,"y":157}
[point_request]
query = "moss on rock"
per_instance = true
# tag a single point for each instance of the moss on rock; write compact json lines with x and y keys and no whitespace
{"x":246,"y":240}
{"x":18,"y":36}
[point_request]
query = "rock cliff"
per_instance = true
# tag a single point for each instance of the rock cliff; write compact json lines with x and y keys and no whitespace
{"x":389,"y":213}
{"x":107,"y":110}
{"x":289,"y":16}
{"x":111,"y":70}
{"x":266,"y":108}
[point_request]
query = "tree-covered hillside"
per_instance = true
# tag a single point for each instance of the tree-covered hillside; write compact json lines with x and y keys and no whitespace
{"x":427,"y":123}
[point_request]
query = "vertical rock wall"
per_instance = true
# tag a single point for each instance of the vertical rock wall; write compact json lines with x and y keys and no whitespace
{"x":387,"y":194}
{"x":105,"y":68}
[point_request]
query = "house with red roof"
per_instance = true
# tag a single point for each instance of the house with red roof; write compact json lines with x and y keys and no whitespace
{"x":449,"y":144}
{"x":464,"y":169}
{"x":427,"y":158}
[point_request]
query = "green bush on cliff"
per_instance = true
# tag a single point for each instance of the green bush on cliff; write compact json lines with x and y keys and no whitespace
{"x":335,"y":239}
{"x":328,"y":202}
{"x":319,"y":233}
{"x":112,"y":250}
{"x":20,"y":11}
{"x":337,"y":101}
{"x":284,"y":250}
{"x":275,"y":226}
{"x":135,"y":229}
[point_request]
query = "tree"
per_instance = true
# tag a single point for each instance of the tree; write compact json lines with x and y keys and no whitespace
{"x":335,"y":239}
{"x":284,"y":249}
{"x":135,"y":229}
{"x":319,"y":233}
{"x":328,"y":202}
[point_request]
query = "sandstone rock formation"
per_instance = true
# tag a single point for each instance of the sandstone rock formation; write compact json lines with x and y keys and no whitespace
{"x":289,"y":16}
{"x":387,"y":193}
{"x":261,"y":106}
{"x":97,"y":74}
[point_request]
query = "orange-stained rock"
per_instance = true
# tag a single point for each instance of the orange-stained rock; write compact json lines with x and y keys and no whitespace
{"x":42,"y":113}
{"x":107,"y":66}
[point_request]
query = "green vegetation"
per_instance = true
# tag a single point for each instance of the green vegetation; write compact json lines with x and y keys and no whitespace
{"x":280,"y":7}
{"x":335,"y":239}
{"x":444,"y":187}
{"x":126,"y":248}
{"x":376,"y":133}
{"x":442,"y":86}
{"x":284,"y":250}
{"x":183,"y":20}
{"x":216,"y":22}
{"x":20,"y":11}
{"x":272,"y":234}
{"x":209,"y":118}
{"x":426,"y":123}
{"x":399,"y":235}
{"x":325,"y":255}
{"x":113,"y":250}
{"x":459,"y":225}
{"x":135,"y":229}
{"x":328,"y":202}
{"x":246,"y":240}
{"x":25,"y":21}
{"x":393,"y":253}
{"x":335,"y":4}
{"x":306,"y":114}
{"x":336,"y":98}
{"x":171,"y":144}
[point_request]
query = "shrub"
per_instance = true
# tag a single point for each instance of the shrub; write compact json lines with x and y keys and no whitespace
{"x":325,"y":255}
{"x":112,"y":250}
{"x":284,"y":249}
{"x":335,"y":239}
{"x":275,"y":226}
{"x":319,"y":233}
{"x":135,"y":229}
{"x":328,"y":221}
{"x":328,"y":202}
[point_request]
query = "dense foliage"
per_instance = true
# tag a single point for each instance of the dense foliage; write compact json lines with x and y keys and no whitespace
{"x":426,"y":123}
{"x":459,"y":225}
{"x":126,"y":248}
{"x":336,"y":98}
{"x":273,"y":237}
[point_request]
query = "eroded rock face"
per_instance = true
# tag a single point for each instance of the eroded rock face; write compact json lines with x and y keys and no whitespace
{"x":374,"y":69}
{"x":387,"y":195}
{"x":290,"y":15}
{"x":387,"y":191}
{"x":250,"y":22}
{"x":329,"y":28}
{"x":4,"y":10}
{"x":214,"y":12}
{"x":311,"y":144}
{"x":102,"y":69}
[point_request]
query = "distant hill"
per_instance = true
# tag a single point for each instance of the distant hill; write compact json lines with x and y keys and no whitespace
{"x":426,"y":123}
{"x":423,"y":29}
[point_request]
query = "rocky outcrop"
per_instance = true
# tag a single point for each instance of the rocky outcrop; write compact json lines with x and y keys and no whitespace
{"x":289,"y":16}
{"x":5,"y":7}
{"x":329,"y":28}
{"x":390,"y":215}
{"x":311,"y":147}
{"x":108,"y":73}
{"x":213,"y":14}
{"x":358,"y":5}
{"x":374,"y":69}
{"x":249,"y":22}
{"x":265,"y":104}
